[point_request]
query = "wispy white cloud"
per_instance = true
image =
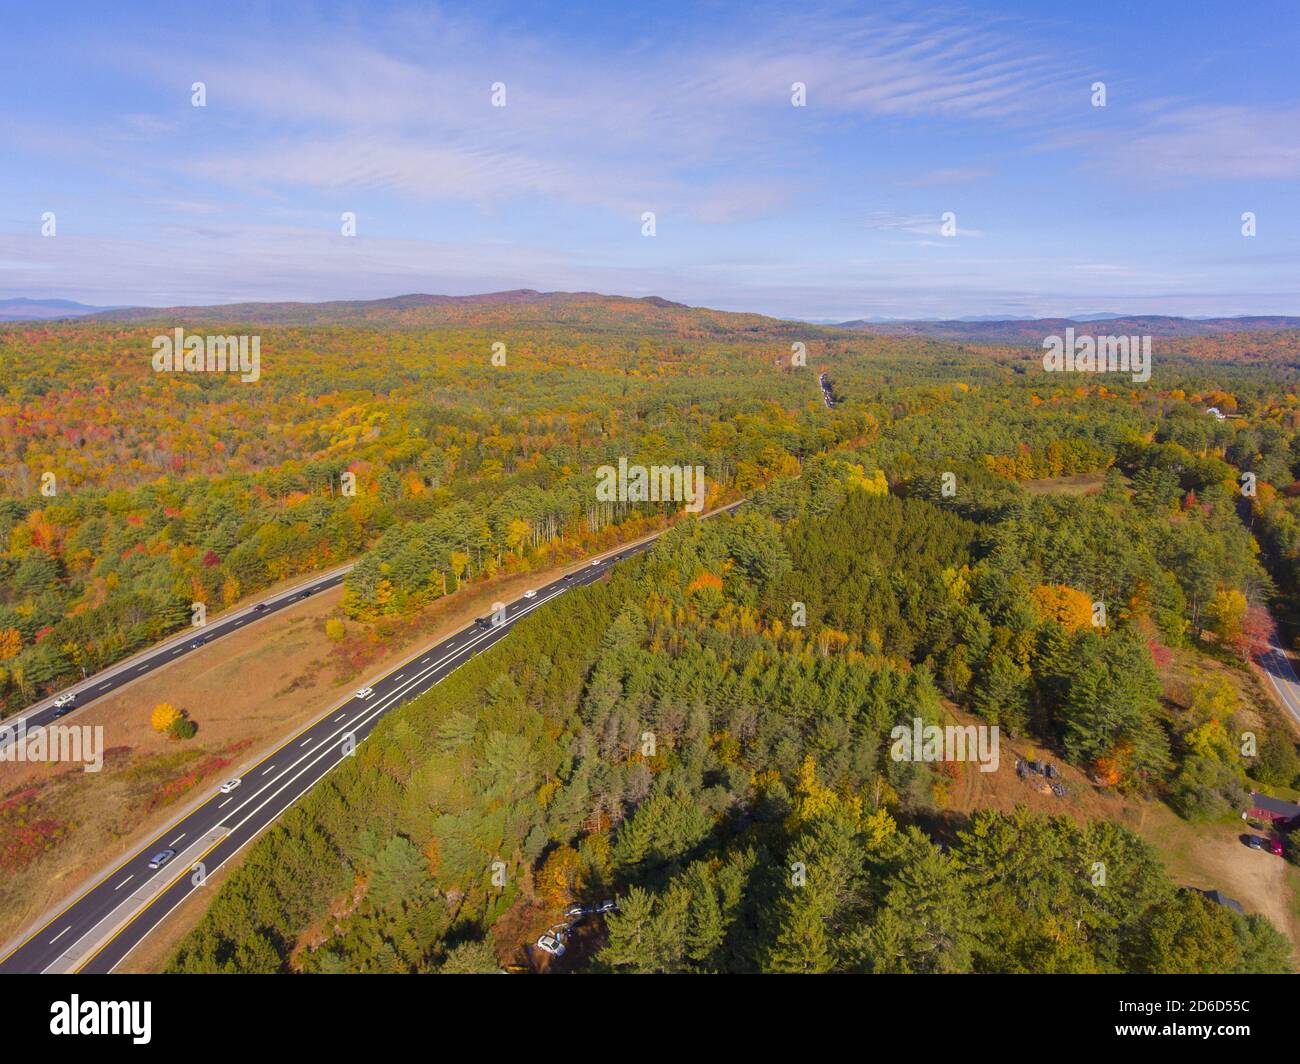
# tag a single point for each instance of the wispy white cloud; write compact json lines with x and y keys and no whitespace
{"x":1178,"y":142}
{"x":604,"y":127}
{"x":1220,"y":142}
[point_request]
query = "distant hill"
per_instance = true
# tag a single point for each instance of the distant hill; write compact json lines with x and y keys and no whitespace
{"x":1032,"y":330}
{"x":589,"y":311}
{"x":44,"y":309}
{"x":627,"y":315}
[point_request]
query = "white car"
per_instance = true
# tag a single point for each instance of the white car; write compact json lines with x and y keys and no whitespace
{"x":530,"y":594}
{"x":64,"y":700}
{"x":551,"y":944}
{"x":595,"y":564}
{"x":366,"y":692}
{"x":230,"y":785}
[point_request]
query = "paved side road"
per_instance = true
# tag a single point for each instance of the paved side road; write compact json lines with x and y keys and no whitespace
{"x":97,"y":930}
{"x":824,"y":381}
{"x":1283,"y":677}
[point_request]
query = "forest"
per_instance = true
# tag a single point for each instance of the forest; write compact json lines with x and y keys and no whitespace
{"x":165,"y":490}
{"x":703,"y":736}
{"x":768,"y":751}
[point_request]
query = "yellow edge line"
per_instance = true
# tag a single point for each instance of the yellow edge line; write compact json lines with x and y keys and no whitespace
{"x":108,"y":942}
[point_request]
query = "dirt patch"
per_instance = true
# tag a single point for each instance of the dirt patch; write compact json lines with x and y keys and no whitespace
{"x":1212,"y":855}
{"x":1078,"y":484}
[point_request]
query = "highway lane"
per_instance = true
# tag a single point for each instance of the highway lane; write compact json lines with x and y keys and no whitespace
{"x":172,"y":649}
{"x":266,"y":791}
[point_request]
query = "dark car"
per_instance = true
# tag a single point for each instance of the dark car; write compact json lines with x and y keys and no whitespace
{"x":482,"y":622}
{"x":260,"y":607}
{"x":1272,"y":844}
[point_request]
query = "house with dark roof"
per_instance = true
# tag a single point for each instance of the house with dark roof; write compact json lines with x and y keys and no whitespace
{"x":1275,"y":811}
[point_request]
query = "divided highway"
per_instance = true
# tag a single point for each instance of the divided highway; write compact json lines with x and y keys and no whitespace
{"x":177,"y":646}
{"x":96,"y":932}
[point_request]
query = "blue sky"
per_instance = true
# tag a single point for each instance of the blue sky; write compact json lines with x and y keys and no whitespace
{"x":828,"y":211}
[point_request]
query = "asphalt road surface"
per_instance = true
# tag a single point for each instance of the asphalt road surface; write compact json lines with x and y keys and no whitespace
{"x":269,"y":788}
{"x":1283,"y":677}
{"x":174,"y":648}
{"x":824,"y":381}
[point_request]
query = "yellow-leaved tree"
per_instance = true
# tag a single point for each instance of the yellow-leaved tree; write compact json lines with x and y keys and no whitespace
{"x":163,"y":717}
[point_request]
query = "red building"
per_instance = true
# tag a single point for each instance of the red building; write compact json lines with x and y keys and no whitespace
{"x":1280,"y":814}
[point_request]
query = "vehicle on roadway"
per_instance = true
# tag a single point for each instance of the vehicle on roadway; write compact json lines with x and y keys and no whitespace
{"x":551,"y":943}
{"x":482,"y":622}
{"x":161,"y":858}
{"x":568,"y":576}
{"x":366,"y":692}
{"x":607,"y":907}
{"x":260,"y":607}
{"x":230,"y":785}
{"x":530,"y":594}
{"x":64,"y":701}
{"x":595,"y":564}
{"x":579,"y":910}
